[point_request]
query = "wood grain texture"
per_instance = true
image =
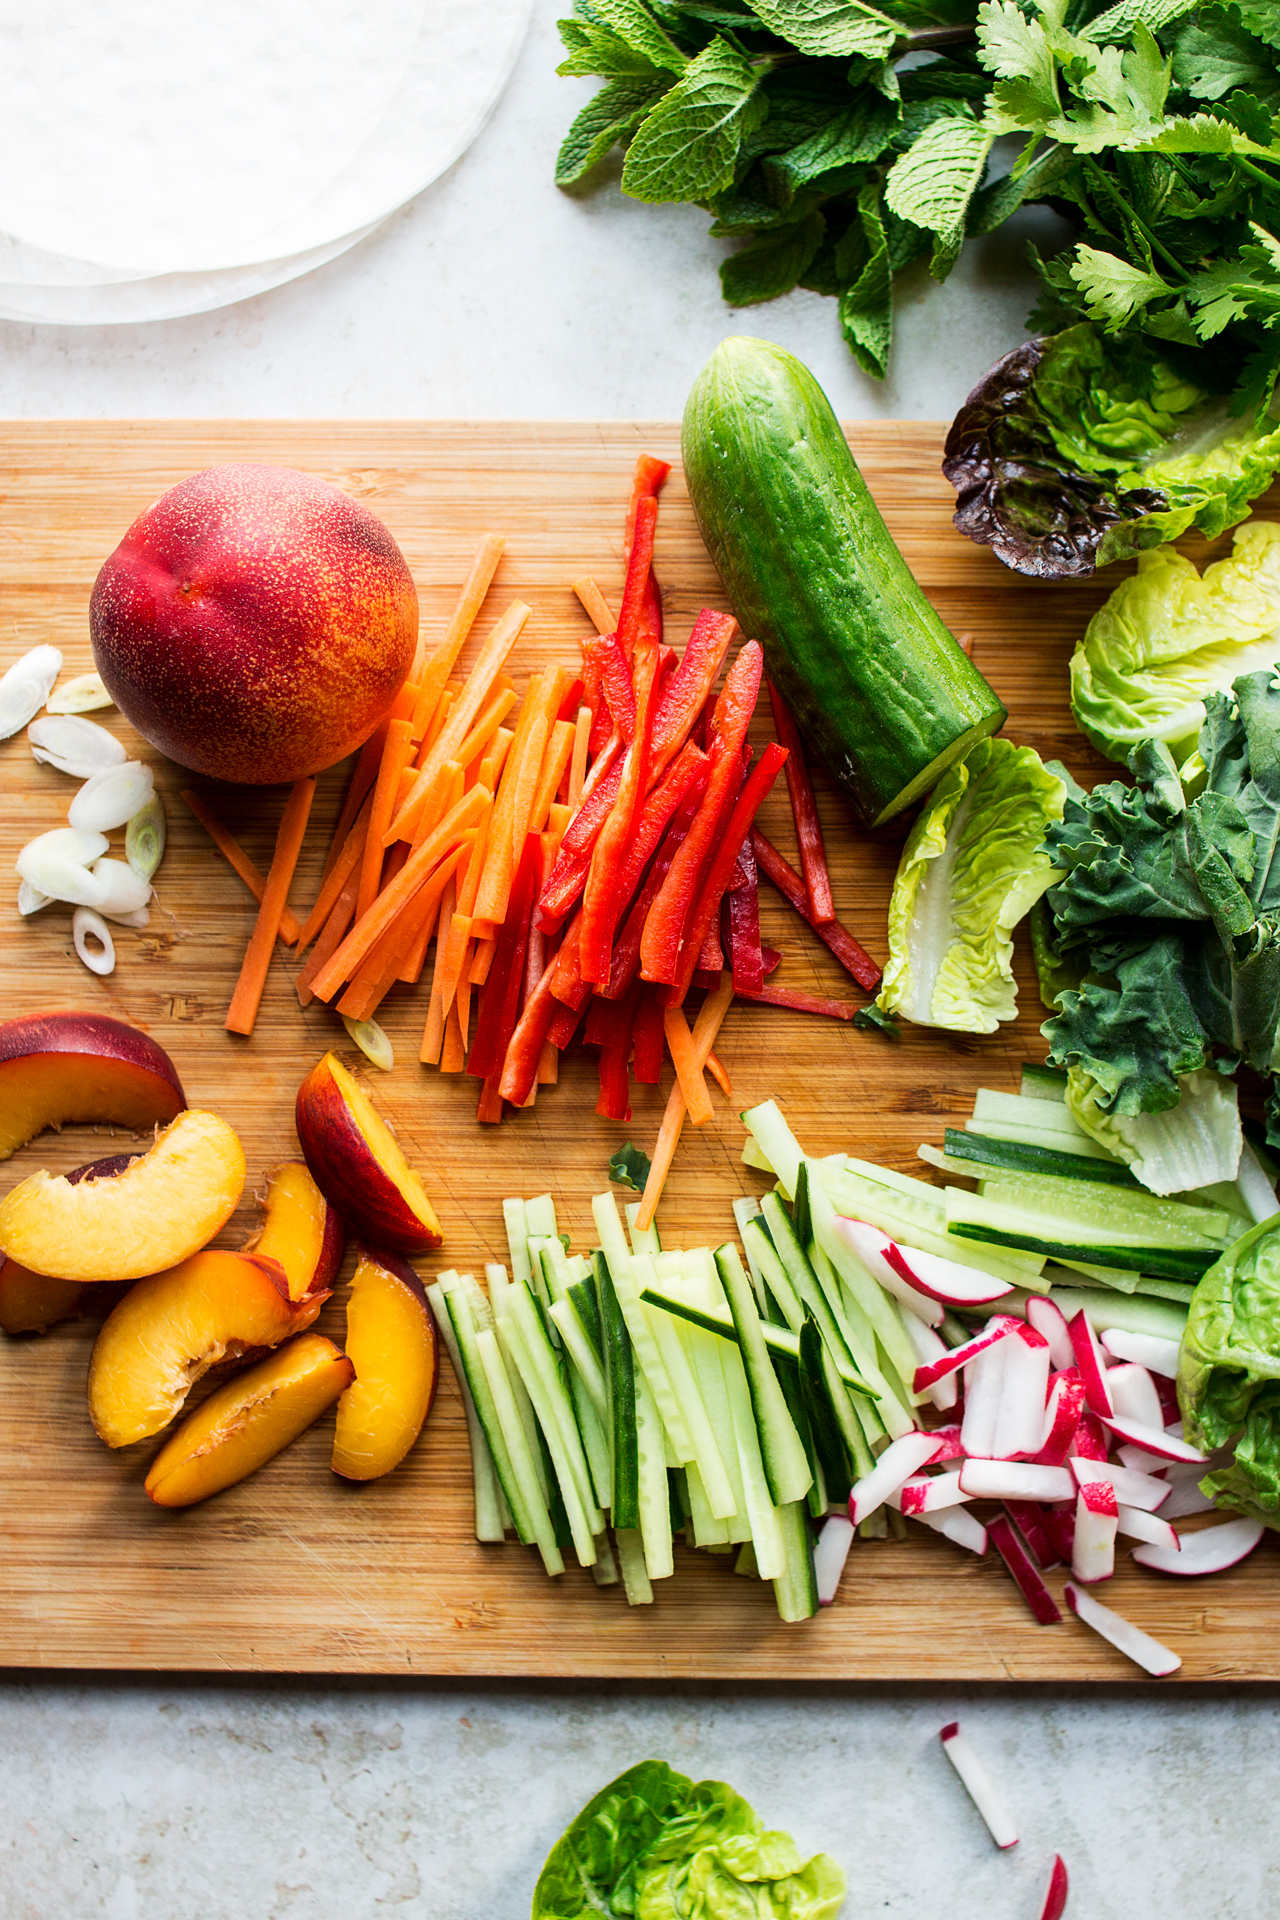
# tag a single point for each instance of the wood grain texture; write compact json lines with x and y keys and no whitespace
{"x":295,"y":1570}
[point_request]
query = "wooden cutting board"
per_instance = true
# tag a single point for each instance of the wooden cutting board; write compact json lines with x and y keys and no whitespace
{"x":295,"y":1570}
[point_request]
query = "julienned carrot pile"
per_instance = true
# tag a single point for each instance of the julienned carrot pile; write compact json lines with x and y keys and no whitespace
{"x":582,"y":856}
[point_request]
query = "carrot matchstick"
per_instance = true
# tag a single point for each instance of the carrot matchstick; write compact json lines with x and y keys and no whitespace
{"x":705,"y":1028}
{"x":395,"y":754}
{"x":688,"y":1069}
{"x":493,"y":656}
{"x":594,"y":605}
{"x":238,"y":860}
{"x":347,"y":863}
{"x":247,"y":997}
{"x":435,"y":670}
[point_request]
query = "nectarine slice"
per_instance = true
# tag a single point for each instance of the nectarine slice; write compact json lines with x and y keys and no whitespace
{"x":391,"y":1340}
{"x":32,"y":1302}
{"x":300,"y":1230}
{"x":172,"y":1327}
{"x":59,"y":1068}
{"x":358,"y":1164}
{"x":161,"y":1209}
{"x":248,"y":1421}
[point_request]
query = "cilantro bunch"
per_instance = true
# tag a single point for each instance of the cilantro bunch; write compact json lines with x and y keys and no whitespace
{"x":837,"y":142}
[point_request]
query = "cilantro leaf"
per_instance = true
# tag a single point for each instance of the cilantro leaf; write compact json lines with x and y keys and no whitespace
{"x":1114,"y":289}
{"x":630,"y":1168}
{"x":611,"y":115}
{"x":933,"y":182}
{"x":688,"y":145}
{"x":1214,"y":53}
{"x":774,"y":264}
{"x":830,"y":27}
{"x":1247,"y":287}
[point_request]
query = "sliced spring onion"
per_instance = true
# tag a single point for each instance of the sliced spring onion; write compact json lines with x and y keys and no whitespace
{"x":25,"y":688}
{"x":88,"y":926}
{"x":74,"y":746}
{"x":57,"y":864}
{"x":84,"y":694}
{"x":144,"y":838}
{"x":111,"y":798}
{"x":371,"y":1040}
{"x":125,"y":893}
{"x":30,"y":899}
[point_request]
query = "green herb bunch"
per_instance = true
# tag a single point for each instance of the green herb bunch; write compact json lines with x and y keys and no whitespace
{"x":841,"y":141}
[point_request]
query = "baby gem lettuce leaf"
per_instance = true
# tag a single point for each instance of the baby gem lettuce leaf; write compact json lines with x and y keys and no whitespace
{"x":656,"y":1846}
{"x":971,"y":868}
{"x":1229,"y":1373}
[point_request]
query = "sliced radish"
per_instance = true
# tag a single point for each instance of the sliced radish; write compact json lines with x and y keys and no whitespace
{"x":978,"y":1785}
{"x":1186,"y":1499}
{"x":1090,"y":1441}
{"x":74,"y":746}
{"x":1136,"y":1524}
{"x":1061,"y":1419}
{"x":1093,"y":1549}
{"x":1135,"y":1489}
{"x":26,"y":686}
{"x":1124,"y":1637}
{"x":949,"y":1447}
{"x":1060,"y":1525}
{"x":830,"y":1551}
{"x":1055,"y":1900}
{"x":898,"y":1463}
{"x":111,"y":798}
{"x":945,"y":1280}
{"x":1133,"y":1394}
{"x":929,"y":1346}
{"x":999,"y":1327}
{"x":93,"y":942}
{"x":1165,"y":1444}
{"x":1212,"y":1550}
{"x":983,"y":1389}
{"x":1047,"y":1317}
{"x":1168,"y":1392}
{"x":1141,"y":1461}
{"x":930,"y":1493}
{"x":1015,"y":1480}
{"x":1019,"y":1431}
{"x":57,"y":863}
{"x":1158,"y":1356}
{"x":1021,"y":1566}
{"x":959,"y":1526}
{"x":872,"y":1248}
{"x":1028,"y":1517}
{"x":1092,"y":1362}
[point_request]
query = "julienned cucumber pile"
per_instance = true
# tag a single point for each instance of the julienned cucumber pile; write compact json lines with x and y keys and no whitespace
{"x":768,"y":1408}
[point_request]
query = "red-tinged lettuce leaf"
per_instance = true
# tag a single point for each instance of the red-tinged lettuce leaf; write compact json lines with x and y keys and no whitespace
{"x":1017,"y":493}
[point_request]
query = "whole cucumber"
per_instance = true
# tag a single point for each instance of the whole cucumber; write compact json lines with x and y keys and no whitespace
{"x":874,"y":679}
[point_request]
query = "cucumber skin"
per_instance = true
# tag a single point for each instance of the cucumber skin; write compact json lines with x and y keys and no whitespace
{"x":873,"y":678}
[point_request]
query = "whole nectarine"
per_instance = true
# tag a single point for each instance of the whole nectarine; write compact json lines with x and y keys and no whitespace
{"x":255,"y":623}
{"x":57,"y":1068}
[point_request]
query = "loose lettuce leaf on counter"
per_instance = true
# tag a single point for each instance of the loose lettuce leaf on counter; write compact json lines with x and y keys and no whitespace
{"x":970,"y":870}
{"x":1170,"y":635}
{"x":654,"y":1845}
{"x":1229,"y":1373}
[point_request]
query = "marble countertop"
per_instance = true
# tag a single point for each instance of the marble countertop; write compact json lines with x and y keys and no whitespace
{"x":137,"y":1798}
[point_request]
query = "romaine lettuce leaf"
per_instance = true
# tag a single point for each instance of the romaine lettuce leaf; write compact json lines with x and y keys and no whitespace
{"x":971,"y":868}
{"x":1193,"y":1144}
{"x":1229,"y":1372}
{"x":653,"y":1845}
{"x":1170,"y":635}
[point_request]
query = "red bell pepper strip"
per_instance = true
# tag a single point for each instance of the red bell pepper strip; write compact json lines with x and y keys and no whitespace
{"x":743,"y":914}
{"x":602,"y":903}
{"x":647,"y":481}
{"x":639,"y":562}
{"x":689,"y":687}
{"x":615,"y":683}
{"x":803,"y":1002}
{"x":520,"y":1064}
{"x":711,"y":954}
{"x":500,"y":1002}
{"x":573,"y":699}
{"x":661,"y":943}
{"x":772,"y":960}
{"x":564,"y":1024}
{"x":852,"y":957}
{"x":573,"y":862}
{"x":706,"y":909}
{"x":649,"y":623}
{"x":648,"y":1040}
{"x":610,"y":1022}
{"x":804,"y":811}
{"x":615,"y":1088}
{"x":567,"y":983}
{"x":626,"y":947}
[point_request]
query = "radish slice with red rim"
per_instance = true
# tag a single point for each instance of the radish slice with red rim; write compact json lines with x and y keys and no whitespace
{"x":1165,"y":1445}
{"x":1135,"y":1489}
{"x":1212,"y":1550}
{"x":901,"y":1459}
{"x":1061,"y":1420}
{"x":1133,"y":1394}
{"x":830,"y":1551}
{"x":1093,"y":1550}
{"x":1026,"y":1575}
{"x":979,"y":1786}
{"x":1015,"y":1480}
{"x":959,"y":1526}
{"x":872,"y":1248}
{"x":1092,"y":1362}
{"x":929,"y":1346}
{"x":1127,"y":1639}
{"x":946,"y":1281}
{"x":999,"y":1327}
{"x":1047,"y":1317}
{"x":1135,"y":1524}
{"x":1158,"y":1356}
{"x":1055,"y":1900}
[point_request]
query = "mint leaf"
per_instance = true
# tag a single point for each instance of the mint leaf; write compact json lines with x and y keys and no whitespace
{"x":596,"y":50}
{"x":632,"y":22}
{"x":687,"y":147}
{"x":866,"y":306}
{"x":614,"y":113}
{"x":630,"y":1168}
{"x":933,"y":182}
{"x":872,"y":1020}
{"x":860,"y":133}
{"x":1118,"y":22}
{"x":773,"y":265}
{"x":830,"y":28}
{"x":1114,"y":289}
{"x":993,"y":205}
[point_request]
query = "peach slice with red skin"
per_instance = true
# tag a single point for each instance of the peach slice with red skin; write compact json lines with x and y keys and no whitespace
{"x":61,"y":1068}
{"x":172,"y":1327}
{"x":33,"y":1302}
{"x":248,"y":1421}
{"x":164,"y":1206}
{"x":358,"y":1164}
{"x":300,"y":1230}
{"x":393,"y":1345}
